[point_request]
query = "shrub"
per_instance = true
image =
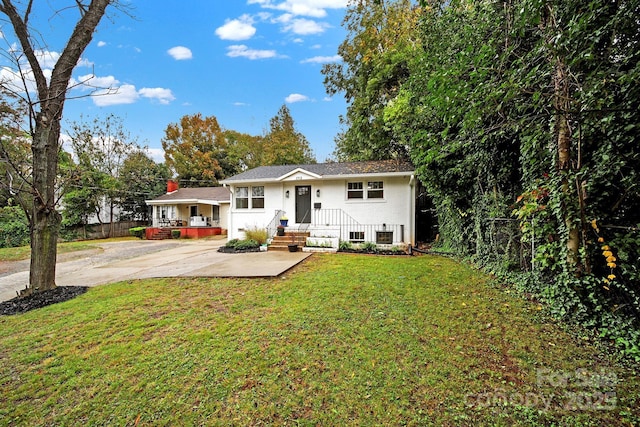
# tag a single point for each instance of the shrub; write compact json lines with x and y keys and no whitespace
{"x":260,"y":235}
{"x":345,"y":245}
{"x":14,"y":227}
{"x":368,"y":246}
{"x":232,"y":243}
{"x":139,"y":232}
{"x":246,"y":244}
{"x":175,"y":234}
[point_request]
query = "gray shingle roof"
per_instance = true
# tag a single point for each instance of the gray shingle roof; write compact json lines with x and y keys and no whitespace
{"x":219,"y":194}
{"x":268,"y":173}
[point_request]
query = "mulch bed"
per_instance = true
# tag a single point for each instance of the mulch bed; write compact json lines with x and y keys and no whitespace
{"x":19,"y":305}
{"x":226,"y":250}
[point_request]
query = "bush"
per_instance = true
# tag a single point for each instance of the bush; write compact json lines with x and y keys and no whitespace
{"x":345,"y":245}
{"x":231,"y":243}
{"x":235,"y":245}
{"x":246,"y":244}
{"x":14,"y":227}
{"x":260,"y":235}
{"x":175,"y":234}
{"x":139,"y":232}
{"x":368,"y":246}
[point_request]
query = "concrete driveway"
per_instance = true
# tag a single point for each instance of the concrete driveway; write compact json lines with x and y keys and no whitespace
{"x":143,"y":259}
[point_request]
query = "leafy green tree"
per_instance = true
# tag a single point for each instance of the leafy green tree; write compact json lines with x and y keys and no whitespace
{"x":244,"y":151}
{"x":283,"y":144}
{"x":381,"y":40}
{"x":14,"y":227}
{"x":45,"y":106}
{"x":142,"y":179}
{"x":529,"y":106}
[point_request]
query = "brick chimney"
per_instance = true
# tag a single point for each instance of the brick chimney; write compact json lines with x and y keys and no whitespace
{"x":172,"y":186}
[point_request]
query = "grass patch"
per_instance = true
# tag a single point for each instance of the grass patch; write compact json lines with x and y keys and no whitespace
{"x":342,"y":340}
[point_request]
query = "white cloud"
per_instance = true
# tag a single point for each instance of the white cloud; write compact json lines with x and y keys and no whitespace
{"x":47,"y":59}
{"x":327,"y":99}
{"x":102,"y":44}
{"x":304,"y":27}
{"x":180,"y":53}
{"x":296,"y":97}
{"x":162,"y":95}
{"x":91,"y":82}
{"x":84,"y":62}
{"x":11,"y":80}
{"x":237,"y":29}
{"x":322,"y":59}
{"x":240,"y":104}
{"x":241,"y":50}
{"x":125,"y":94}
{"x":313,"y":8}
{"x":156,"y":154}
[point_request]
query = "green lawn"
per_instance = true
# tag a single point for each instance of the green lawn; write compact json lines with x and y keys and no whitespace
{"x":342,"y":340}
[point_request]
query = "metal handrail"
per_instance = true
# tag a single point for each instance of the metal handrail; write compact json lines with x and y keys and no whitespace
{"x":272,"y":227}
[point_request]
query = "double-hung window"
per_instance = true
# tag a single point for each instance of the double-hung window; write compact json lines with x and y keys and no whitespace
{"x":375,"y":190}
{"x":357,"y":190}
{"x":242,"y":197}
{"x":257,"y":197}
{"x":354,"y":190}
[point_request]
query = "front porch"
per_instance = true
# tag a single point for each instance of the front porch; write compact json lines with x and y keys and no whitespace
{"x":159,"y":233}
{"x":328,"y":227}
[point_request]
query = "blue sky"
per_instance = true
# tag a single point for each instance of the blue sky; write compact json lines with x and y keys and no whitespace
{"x":239,"y":61}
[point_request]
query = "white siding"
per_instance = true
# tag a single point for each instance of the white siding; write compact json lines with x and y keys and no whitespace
{"x":396,"y":207}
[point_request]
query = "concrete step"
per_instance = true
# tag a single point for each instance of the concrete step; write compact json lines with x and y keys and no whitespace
{"x":281,"y":243}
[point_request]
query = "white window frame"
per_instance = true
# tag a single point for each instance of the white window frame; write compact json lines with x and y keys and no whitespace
{"x":257,"y":197}
{"x":355,"y":190}
{"x":239,"y":196}
{"x":375,"y":187}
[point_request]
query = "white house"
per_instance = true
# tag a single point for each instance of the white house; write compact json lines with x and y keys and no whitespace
{"x":359,"y":201}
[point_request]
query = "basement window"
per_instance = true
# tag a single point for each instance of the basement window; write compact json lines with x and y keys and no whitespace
{"x":356,"y":236}
{"x":384,"y":237}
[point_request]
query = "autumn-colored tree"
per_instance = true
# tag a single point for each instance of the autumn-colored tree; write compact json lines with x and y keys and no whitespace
{"x":283,"y":144}
{"x":45,"y":104}
{"x":196,"y":150}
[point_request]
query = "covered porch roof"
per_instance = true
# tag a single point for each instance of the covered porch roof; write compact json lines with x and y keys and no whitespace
{"x":214,"y":196}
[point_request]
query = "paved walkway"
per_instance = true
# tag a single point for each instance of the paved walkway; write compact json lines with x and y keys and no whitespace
{"x":118,"y":261}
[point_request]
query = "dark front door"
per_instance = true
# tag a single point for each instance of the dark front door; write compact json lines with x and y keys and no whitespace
{"x":303,"y":204}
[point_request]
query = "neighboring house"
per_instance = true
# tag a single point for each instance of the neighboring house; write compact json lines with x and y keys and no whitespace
{"x":198,"y":212}
{"x":360,"y":201}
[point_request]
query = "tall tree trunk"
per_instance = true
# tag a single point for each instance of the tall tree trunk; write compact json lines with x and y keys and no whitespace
{"x":45,"y":218}
{"x":562,"y":132}
{"x":45,"y":114}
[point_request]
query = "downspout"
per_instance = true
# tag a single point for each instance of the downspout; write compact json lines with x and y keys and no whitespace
{"x":230,"y":214}
{"x":412,"y":210}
